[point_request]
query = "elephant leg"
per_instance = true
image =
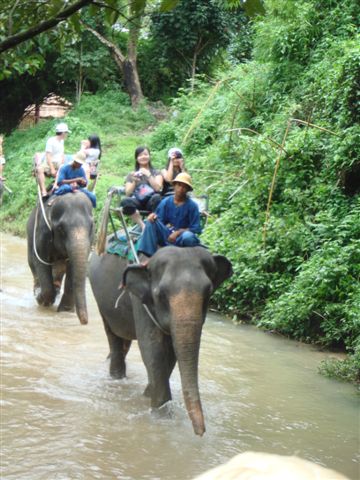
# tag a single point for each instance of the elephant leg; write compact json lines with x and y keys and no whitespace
{"x":119,"y":348}
{"x":43,"y":286}
{"x":171,"y":362}
{"x":58,"y":274}
{"x":36,"y":288}
{"x":159,"y":359}
{"x":67,"y":303}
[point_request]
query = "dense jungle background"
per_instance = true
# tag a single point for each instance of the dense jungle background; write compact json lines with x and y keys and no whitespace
{"x":263,"y":98}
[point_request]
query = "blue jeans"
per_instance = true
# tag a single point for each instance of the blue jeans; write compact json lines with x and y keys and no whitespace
{"x":156,"y":235}
{"x":63,"y":189}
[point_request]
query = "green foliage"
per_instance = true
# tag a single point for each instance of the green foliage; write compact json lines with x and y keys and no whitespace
{"x":251,"y":7}
{"x":188,"y":39}
{"x":305,"y":282}
{"x":347,"y":369}
{"x":85,"y":66}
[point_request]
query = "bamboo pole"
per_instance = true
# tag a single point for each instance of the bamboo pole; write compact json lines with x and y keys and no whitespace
{"x":303,"y":122}
{"x":207,"y":171}
{"x":238,"y":189}
{"x":257,"y":133}
{"x":232,"y":126}
{"x":277,"y":164}
{"x":200,"y":112}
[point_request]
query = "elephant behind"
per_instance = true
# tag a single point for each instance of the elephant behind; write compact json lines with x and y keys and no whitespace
{"x":163,"y":307}
{"x":58,"y":245}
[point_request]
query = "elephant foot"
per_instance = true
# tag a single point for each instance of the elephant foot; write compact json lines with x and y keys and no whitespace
{"x":44,"y":300}
{"x":117,"y":369}
{"x":65,"y":308}
{"x":147,"y":391}
{"x":117,"y":374}
{"x":159,"y":397}
{"x":165,"y":411}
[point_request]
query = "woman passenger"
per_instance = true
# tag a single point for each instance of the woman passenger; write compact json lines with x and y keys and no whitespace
{"x":92,"y":149}
{"x":175,"y":165}
{"x":142,"y":187}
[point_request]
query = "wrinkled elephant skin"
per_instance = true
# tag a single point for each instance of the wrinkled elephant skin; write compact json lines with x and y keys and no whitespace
{"x":175,"y":286}
{"x":62,"y":249}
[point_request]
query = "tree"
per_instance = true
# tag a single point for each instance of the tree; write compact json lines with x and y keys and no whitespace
{"x":84,"y":65}
{"x":24,"y":40}
{"x":190,"y":35}
{"x":23,"y":36}
{"x":126,"y":60}
{"x":26,"y":12}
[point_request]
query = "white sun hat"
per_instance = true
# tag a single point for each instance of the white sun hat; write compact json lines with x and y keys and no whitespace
{"x":174,"y":150}
{"x":62,"y":128}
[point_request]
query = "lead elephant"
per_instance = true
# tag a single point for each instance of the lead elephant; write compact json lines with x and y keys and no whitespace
{"x":59,"y":240}
{"x":163,"y":306}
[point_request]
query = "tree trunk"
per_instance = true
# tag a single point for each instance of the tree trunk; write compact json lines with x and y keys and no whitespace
{"x":79,"y":83}
{"x":126,"y":64}
{"x":132,"y":82}
{"x":193,"y":70}
{"x":37,"y":112}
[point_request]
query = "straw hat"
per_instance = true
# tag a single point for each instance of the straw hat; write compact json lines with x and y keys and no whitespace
{"x":183,"y":177}
{"x":79,"y":157}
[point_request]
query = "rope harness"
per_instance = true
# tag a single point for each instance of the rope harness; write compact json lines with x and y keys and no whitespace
{"x":40,"y":202}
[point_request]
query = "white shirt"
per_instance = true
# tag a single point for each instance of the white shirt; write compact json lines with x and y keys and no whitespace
{"x":56,"y":148}
{"x":92,"y":154}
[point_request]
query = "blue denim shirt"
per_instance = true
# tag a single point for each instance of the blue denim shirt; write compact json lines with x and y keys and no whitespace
{"x":186,"y":215}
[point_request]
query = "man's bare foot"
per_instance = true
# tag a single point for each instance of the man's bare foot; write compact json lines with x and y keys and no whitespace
{"x":136,"y":217}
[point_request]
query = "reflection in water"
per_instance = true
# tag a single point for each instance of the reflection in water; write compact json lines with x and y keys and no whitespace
{"x":63,"y":417}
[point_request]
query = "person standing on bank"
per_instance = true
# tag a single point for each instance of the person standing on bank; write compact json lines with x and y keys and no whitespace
{"x":54,"y":157}
{"x":142,"y":187}
{"x":176,"y":220}
{"x":175,"y":165}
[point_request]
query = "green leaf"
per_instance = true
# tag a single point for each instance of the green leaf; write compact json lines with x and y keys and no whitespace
{"x":167,"y":5}
{"x":253,"y":7}
{"x":138,"y":6}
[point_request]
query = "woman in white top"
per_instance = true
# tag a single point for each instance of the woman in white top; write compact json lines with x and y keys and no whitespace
{"x":92,"y":149}
{"x":175,"y":165}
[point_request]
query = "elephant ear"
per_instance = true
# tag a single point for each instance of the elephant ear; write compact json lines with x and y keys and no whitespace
{"x":136,"y":279}
{"x":223,"y":270}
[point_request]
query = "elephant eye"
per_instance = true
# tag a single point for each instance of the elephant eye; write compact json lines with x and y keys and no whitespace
{"x":60,"y":230}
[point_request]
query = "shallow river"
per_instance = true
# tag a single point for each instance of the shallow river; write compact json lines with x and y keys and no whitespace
{"x":63,"y":417}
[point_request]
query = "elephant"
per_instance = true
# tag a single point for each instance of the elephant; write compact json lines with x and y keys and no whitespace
{"x":163,"y":306}
{"x":60,"y":244}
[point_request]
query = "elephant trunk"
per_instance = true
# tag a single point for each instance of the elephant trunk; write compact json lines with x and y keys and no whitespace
{"x":78,"y":251}
{"x":186,"y":326}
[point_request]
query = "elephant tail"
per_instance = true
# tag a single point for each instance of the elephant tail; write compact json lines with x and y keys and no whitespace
{"x":101,"y":241}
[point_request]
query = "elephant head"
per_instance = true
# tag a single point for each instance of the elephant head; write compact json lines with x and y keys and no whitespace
{"x":61,"y":243}
{"x":176,"y":286}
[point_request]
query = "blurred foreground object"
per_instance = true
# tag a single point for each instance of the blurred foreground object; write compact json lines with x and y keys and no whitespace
{"x":267,"y":466}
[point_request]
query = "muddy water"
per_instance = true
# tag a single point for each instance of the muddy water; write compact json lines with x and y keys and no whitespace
{"x":63,"y":417}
